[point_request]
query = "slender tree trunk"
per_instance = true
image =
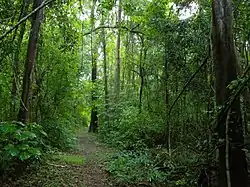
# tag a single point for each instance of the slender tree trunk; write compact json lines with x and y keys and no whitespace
{"x":16,"y":64}
{"x":127,"y":61}
{"x":37,"y":82}
{"x":210,"y":107}
{"x":132,"y":67}
{"x":246,"y":95}
{"x":141,"y":74}
{"x":166,"y":91}
{"x":225,"y":64}
{"x":94,"y":119}
{"x":29,"y":64}
{"x":81,"y":69}
{"x":106,"y":97}
{"x":118,"y":55}
{"x":166,"y":76}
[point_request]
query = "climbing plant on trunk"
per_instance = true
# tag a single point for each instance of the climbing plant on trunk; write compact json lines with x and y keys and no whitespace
{"x":232,"y":160}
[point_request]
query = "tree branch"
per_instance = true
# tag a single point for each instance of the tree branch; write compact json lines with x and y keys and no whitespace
{"x":25,"y":18}
{"x":113,"y":27}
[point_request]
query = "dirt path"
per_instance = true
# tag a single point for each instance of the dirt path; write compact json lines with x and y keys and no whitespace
{"x":55,"y":173}
{"x":92,"y":171}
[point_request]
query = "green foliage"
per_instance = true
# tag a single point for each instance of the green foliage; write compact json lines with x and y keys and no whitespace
{"x":181,"y":167}
{"x":155,"y":166}
{"x":61,"y":133}
{"x":133,"y":129}
{"x":158,"y":52}
{"x":134,"y":167}
{"x":20,"y":143}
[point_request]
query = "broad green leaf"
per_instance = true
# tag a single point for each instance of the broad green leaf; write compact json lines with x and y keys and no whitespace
{"x":24,"y":155}
{"x":25,"y":135}
{"x":12,"y":150}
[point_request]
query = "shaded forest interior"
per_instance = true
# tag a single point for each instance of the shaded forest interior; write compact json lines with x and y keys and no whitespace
{"x":164,"y":84}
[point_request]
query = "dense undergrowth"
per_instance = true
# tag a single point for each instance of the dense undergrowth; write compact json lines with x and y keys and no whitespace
{"x":141,"y":158}
{"x":137,"y":137}
{"x":24,"y":145}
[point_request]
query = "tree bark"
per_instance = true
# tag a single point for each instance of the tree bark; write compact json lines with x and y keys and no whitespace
{"x":225,"y":64}
{"x":141,"y":74}
{"x":106,"y":97}
{"x":246,"y":95}
{"x":30,"y":60}
{"x":94,"y":118}
{"x":118,"y":57}
{"x":16,"y":64}
{"x":168,"y":142}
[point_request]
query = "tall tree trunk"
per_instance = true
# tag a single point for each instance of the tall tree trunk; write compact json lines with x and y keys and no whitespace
{"x":37,"y":83}
{"x":118,"y":55}
{"x":94,"y":119}
{"x":29,"y":64}
{"x":166,"y":95}
{"x":106,"y":97}
{"x":127,"y":66}
{"x":225,"y":64}
{"x":141,"y":75}
{"x":246,"y":93}
{"x":16,"y":64}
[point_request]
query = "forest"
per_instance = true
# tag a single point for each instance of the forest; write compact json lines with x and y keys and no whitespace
{"x":149,"y":93}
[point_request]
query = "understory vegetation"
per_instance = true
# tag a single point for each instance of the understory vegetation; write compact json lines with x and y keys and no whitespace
{"x":162,"y":84}
{"x":141,"y":156}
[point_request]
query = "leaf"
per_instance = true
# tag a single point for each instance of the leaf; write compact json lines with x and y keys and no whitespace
{"x":25,"y":135}
{"x":12,"y":150}
{"x":23,"y":146}
{"x":180,"y":182}
{"x":34,"y":151}
{"x":24,"y":155}
{"x":7,"y":128}
{"x":44,"y":133}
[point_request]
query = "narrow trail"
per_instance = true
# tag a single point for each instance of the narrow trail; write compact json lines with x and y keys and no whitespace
{"x":92,"y":171}
{"x":54,"y":173}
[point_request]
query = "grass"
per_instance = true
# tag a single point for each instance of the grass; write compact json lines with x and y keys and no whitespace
{"x":62,"y":169}
{"x":69,"y":159}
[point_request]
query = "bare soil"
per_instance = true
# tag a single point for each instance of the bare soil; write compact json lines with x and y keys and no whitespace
{"x":93,"y":170}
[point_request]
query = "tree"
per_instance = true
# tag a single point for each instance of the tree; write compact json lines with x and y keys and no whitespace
{"x":104,"y":45}
{"x":137,"y":72}
{"x":30,"y":61}
{"x":232,"y":164}
{"x":118,"y":53}
{"x":16,"y":62}
{"x":94,"y":119}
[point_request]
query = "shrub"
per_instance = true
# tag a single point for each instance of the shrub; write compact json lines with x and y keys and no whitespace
{"x":134,"y":130}
{"x":20,"y":143}
{"x":130,"y":167}
{"x":60,"y":132}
